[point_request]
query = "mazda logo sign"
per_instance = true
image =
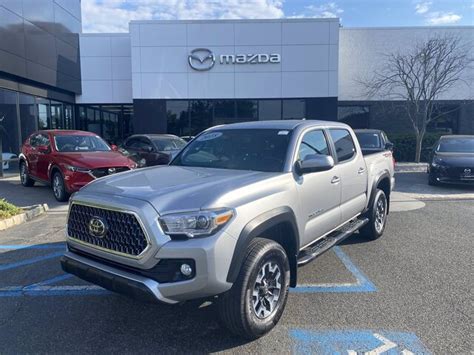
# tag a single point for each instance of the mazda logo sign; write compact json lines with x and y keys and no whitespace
{"x":201,"y":59}
{"x":97,"y":227}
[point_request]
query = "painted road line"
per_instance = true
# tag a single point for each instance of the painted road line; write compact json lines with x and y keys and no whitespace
{"x":32,"y":246}
{"x":352,"y":342}
{"x":30,"y":261}
{"x":362,"y":284}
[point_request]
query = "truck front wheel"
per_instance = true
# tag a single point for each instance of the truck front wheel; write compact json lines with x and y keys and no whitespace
{"x":377,"y":215}
{"x":255,"y":303}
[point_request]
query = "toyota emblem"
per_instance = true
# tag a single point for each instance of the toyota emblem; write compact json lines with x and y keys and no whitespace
{"x":467,"y":171}
{"x":97,"y":227}
{"x":201,"y":59}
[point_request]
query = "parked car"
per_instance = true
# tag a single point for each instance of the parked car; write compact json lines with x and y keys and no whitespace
{"x":153,"y":149}
{"x":6,"y":157}
{"x":373,"y":140}
{"x":233,"y":216}
{"x":452,"y":160}
{"x":68,"y":160}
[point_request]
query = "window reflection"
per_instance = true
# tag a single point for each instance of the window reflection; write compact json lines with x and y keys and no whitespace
{"x":9,"y":122}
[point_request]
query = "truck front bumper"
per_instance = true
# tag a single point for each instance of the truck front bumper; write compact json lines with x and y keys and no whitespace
{"x":113,"y":279}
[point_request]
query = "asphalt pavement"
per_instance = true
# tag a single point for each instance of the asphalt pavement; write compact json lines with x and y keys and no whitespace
{"x":410,"y":292}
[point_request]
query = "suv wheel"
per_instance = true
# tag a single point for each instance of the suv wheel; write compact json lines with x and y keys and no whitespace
{"x":24,"y":177}
{"x":59,"y":189}
{"x":255,"y":303}
{"x":377,"y":216}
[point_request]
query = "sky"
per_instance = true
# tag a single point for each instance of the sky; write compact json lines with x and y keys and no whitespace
{"x":114,"y":15}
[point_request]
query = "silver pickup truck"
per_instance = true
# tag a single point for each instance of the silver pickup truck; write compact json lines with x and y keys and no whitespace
{"x":231,"y":219}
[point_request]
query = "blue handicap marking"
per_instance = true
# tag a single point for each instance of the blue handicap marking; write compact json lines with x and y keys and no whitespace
{"x":361,"y":284}
{"x":356,"y":342}
{"x":46,"y":287}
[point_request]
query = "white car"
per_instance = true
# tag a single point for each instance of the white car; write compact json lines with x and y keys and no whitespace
{"x":5,"y":158}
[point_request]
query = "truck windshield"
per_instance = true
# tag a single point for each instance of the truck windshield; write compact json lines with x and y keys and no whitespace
{"x":456,"y":145}
{"x":239,"y":149}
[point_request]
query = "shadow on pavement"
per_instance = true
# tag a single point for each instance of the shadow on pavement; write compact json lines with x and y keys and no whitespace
{"x":12,"y":190}
{"x":417,"y":183}
{"x":63,"y":321}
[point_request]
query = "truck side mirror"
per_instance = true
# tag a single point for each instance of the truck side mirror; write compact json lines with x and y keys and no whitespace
{"x":389,"y":146}
{"x":314,"y":163}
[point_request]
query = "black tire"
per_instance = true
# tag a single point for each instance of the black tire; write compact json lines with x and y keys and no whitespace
{"x":24,"y":176}
{"x":237,"y":310}
{"x":59,"y":189}
{"x":377,"y":219}
{"x":432,"y":180}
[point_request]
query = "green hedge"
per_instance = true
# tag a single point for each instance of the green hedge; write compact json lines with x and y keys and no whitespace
{"x":405,"y":146}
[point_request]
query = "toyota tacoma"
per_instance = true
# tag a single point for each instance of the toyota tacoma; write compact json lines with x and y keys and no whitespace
{"x":231,"y":218}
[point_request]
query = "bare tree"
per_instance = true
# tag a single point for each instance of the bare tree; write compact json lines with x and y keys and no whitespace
{"x":419,"y":77}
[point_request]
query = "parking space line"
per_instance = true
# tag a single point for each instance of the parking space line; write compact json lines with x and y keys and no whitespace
{"x":32,"y":247}
{"x":362,"y":284}
{"x":14,"y":265}
{"x":46,"y":287}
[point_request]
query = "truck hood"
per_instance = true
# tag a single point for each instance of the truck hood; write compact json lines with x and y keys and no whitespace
{"x":94,"y":160}
{"x":176,"y":188}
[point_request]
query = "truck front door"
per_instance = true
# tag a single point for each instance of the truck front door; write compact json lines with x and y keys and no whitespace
{"x":319,"y":192}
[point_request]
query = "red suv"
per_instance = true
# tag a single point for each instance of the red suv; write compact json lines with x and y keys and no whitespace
{"x":68,"y":160}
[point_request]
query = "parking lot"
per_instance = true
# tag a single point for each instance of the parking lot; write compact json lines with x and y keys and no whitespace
{"x":408,"y":292}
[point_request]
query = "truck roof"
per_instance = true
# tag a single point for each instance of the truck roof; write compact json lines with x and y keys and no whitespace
{"x":282,"y":124}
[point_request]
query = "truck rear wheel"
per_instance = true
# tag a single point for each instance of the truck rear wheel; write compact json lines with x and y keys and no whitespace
{"x":255,"y":303}
{"x":377,"y":215}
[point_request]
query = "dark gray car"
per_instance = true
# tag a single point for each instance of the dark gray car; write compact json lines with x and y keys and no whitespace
{"x":153,"y":149}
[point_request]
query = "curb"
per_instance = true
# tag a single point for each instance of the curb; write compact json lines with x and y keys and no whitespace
{"x":411,"y":167}
{"x":29,"y":213}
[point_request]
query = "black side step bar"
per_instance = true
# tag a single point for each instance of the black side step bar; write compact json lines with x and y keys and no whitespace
{"x":312,"y":252}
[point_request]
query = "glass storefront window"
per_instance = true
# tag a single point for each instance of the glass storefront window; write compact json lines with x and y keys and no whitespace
{"x":354,"y":116}
{"x":224,"y":112}
{"x":200,"y":116}
{"x":28,"y":116}
{"x":56,"y":109}
{"x":294,"y":109}
{"x":68,"y":117}
{"x":177,"y":117}
{"x":43,"y":113}
{"x":247,"y":110}
{"x":269,"y":110}
{"x":9,"y":130}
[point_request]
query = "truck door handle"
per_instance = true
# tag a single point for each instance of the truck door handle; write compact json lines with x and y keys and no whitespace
{"x":335,"y":180}
{"x":361,"y":171}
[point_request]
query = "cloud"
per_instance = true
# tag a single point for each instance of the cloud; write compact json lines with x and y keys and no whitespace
{"x":114,"y":15}
{"x":423,"y":7}
{"x":443,"y":18}
{"x":435,"y":18}
{"x":327,"y":10}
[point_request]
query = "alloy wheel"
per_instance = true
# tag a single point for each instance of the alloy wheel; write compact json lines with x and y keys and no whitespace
{"x":380,"y":213}
{"x":267,"y":290}
{"x":57,"y":186}
{"x":23,"y":173}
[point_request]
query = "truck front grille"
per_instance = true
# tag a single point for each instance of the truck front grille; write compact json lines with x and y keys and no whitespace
{"x":122,"y":232}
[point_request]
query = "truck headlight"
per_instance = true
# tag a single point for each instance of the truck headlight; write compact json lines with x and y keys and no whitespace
{"x":196,"y":223}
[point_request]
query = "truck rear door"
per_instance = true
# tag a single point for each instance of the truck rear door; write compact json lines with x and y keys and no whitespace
{"x":352,"y":172}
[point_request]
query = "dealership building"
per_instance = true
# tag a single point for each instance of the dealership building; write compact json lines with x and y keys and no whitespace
{"x":182,"y":77}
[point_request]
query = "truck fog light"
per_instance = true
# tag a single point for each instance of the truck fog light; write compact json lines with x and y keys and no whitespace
{"x":186,"y":269}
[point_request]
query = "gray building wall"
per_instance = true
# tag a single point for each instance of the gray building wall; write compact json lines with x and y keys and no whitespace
{"x":40,"y":42}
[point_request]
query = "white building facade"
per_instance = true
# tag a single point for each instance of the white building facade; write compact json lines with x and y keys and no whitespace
{"x":184,"y":76}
